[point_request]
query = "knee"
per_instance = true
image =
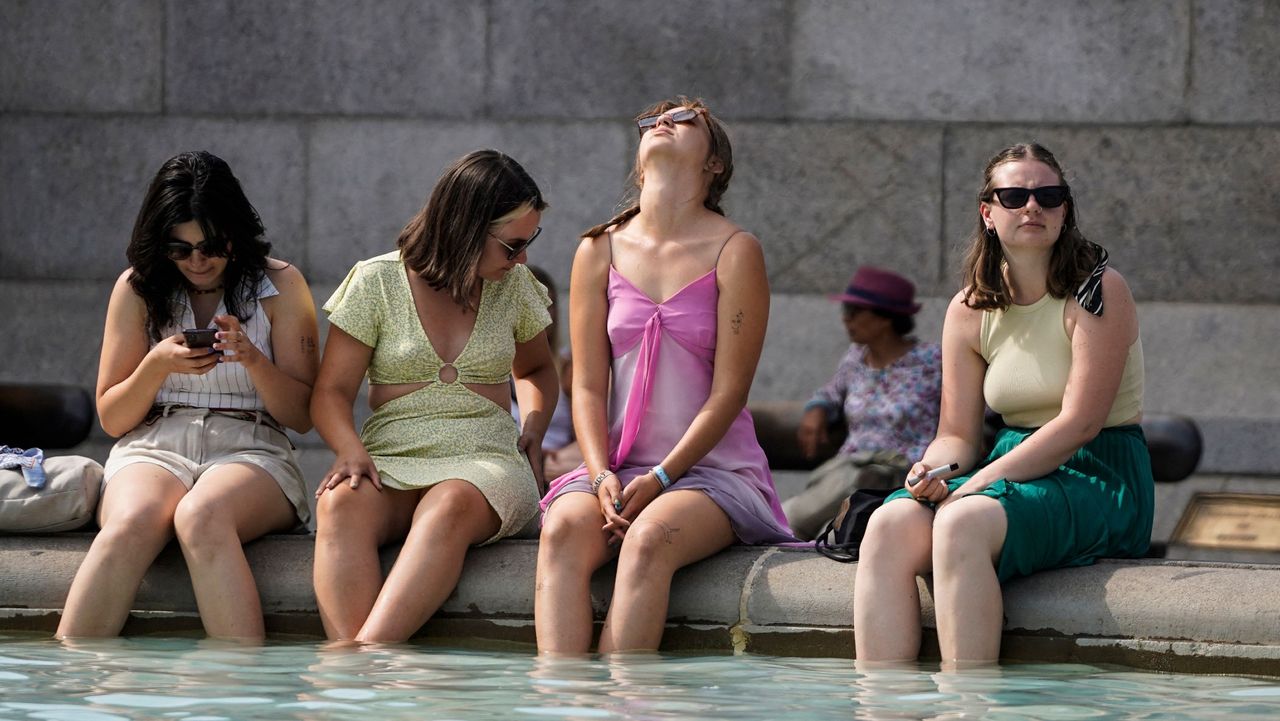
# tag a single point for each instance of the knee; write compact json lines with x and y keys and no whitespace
{"x":142,"y":524}
{"x":453,"y":514}
{"x":893,"y":530}
{"x":569,"y":543}
{"x":452,"y":509}
{"x":198,"y":520}
{"x":341,"y":510}
{"x":948,"y":529}
{"x":563,"y":532}
{"x":456,"y":498}
{"x":645,"y":550}
{"x":964,"y":531}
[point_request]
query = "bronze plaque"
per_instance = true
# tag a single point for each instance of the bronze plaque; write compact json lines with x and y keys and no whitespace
{"x":1230,"y":520}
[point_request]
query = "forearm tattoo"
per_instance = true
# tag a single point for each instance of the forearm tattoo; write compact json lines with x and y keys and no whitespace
{"x":736,"y":323}
{"x":308,"y":344}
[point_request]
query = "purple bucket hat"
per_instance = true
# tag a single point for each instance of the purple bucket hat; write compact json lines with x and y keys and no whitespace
{"x":881,"y":289}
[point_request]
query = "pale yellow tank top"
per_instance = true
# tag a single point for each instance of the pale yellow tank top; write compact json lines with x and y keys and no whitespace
{"x":1028,"y":358}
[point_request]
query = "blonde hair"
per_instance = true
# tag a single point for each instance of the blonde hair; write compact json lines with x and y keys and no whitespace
{"x":514,"y":214}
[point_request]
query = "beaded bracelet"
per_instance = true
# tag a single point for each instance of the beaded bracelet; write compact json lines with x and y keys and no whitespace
{"x":661,"y":474}
{"x":600,"y":477}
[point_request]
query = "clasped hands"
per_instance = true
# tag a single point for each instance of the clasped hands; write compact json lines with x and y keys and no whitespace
{"x":620,"y":506}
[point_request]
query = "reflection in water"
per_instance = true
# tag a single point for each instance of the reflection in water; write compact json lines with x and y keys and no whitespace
{"x":201,"y":680}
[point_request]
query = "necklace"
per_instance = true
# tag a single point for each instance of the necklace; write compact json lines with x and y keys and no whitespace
{"x":198,"y":291}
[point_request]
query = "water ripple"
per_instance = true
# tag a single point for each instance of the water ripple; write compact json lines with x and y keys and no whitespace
{"x":193,"y":680}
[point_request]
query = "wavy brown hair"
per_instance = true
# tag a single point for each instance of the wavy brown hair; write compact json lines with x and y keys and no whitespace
{"x":720,"y":149}
{"x":199,"y":186}
{"x":443,"y":242}
{"x":1073,"y":259}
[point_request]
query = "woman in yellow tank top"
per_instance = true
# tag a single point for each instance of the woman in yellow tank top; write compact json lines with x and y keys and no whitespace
{"x":1069,"y":479}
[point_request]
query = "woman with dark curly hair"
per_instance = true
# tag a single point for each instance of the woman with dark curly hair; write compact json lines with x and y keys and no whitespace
{"x":209,"y":352}
{"x":1069,"y":480}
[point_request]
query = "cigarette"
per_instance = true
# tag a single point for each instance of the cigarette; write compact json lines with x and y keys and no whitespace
{"x":939,"y":471}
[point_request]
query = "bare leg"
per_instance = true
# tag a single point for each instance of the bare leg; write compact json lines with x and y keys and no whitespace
{"x":676,"y":529}
{"x":886,"y":602}
{"x":136,"y":516}
{"x":450,"y":518}
{"x":351,"y":524}
{"x":967,"y":538}
{"x":570,"y":549}
{"x":230,"y":505}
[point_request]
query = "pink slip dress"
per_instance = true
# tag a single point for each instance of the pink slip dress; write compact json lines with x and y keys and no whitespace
{"x":663,"y":361}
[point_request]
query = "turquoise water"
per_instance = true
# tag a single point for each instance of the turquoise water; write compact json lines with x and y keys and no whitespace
{"x":193,"y":680}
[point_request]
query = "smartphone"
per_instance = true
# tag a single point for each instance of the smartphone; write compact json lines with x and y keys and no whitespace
{"x":199,"y":337}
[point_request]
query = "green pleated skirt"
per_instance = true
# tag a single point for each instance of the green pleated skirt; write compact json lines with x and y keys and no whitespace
{"x":1099,"y":504}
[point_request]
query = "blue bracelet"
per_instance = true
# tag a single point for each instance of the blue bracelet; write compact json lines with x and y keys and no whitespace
{"x":663,"y":478}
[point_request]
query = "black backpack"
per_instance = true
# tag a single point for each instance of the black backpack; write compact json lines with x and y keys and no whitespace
{"x":843,"y":534}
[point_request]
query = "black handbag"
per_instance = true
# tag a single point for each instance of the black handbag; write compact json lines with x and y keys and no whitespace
{"x":843,"y":534}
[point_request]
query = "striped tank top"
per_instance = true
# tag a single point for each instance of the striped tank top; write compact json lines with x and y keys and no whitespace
{"x":228,"y":385}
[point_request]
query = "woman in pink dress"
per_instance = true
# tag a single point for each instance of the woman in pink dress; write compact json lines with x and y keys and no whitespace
{"x":668,"y":306}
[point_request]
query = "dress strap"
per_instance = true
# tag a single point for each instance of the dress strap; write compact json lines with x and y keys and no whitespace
{"x":609,"y":236}
{"x":726,"y":242}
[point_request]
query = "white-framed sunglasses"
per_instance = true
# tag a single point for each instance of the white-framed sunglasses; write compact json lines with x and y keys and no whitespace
{"x":649,"y":122}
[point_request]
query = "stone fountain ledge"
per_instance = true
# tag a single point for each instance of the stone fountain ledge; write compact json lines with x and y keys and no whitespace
{"x":1164,"y":615}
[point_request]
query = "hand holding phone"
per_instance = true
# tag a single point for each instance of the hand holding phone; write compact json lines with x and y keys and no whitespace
{"x":199,"y":337}
{"x":189,"y":352}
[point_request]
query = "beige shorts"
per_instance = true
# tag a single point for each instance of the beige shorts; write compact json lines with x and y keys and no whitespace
{"x":188,"y":442}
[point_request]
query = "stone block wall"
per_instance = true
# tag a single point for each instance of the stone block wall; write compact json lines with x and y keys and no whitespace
{"x":860,"y":129}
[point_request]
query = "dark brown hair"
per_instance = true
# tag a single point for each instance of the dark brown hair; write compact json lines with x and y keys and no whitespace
{"x":1073,"y":257}
{"x":444,"y":241}
{"x":900,"y":323}
{"x":553,"y":330}
{"x":199,"y":186}
{"x":720,"y":149}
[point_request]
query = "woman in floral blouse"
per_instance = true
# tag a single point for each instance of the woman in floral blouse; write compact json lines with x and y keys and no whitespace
{"x":888,"y":387}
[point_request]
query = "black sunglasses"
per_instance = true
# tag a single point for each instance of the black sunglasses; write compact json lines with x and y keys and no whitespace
{"x":1048,"y":196}
{"x":209,"y":248}
{"x":520,"y":245}
{"x":649,"y":122}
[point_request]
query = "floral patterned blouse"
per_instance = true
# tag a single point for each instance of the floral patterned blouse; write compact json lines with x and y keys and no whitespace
{"x":886,"y":409}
